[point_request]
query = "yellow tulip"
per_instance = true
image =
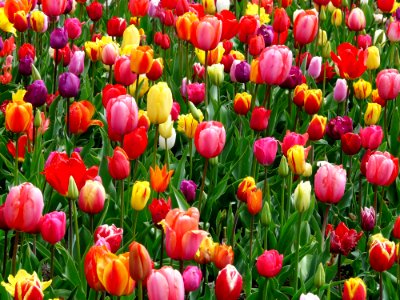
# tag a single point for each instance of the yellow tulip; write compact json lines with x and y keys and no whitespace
{"x":362,"y":89}
{"x":372,"y":113}
{"x":373,"y":60}
{"x":140,"y":195}
{"x":297,"y":159}
{"x":187,"y":125}
{"x":159,"y":103}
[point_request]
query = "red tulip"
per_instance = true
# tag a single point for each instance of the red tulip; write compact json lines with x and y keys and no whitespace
{"x":230,"y":25}
{"x":119,"y":165}
{"x":95,"y":11}
{"x":350,"y":61}
{"x":388,"y":84}
{"x":110,"y":236}
{"x":275,"y":63}
{"x":248,"y":26}
{"x":92,"y":197}
{"x":330,"y":183}
{"x":73,"y":27}
{"x":228,"y":284}
{"x":343,"y":239}
{"x":209,"y":138}
{"x":81,"y":113}
{"x":23,"y":207}
{"x":354,"y":289}
{"x":396,"y":228}
{"x":3,"y":224}
{"x":116,"y":26}
{"x":382,"y":168}
{"x":53,"y":226}
{"x":23,"y":146}
{"x":305,"y":27}
{"x":371,"y":137}
{"x":281,"y":20}
{"x":122,"y":71}
{"x":269,"y":264}
{"x":54,"y":8}
{"x":138,"y":8}
{"x":247,"y":184}
{"x":165,"y":283}
{"x":259,"y":118}
{"x":351,"y":143}
{"x":382,"y":255}
{"x":206,"y":33}
{"x":135,"y":143}
{"x":316,"y":128}
{"x":111,"y":91}
{"x":256,"y":45}
{"x":159,"y":209}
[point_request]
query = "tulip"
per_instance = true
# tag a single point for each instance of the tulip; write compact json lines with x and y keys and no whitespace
{"x":373,"y":60}
{"x":228,"y":284}
{"x":140,"y":195}
{"x":242,"y":103}
{"x":296,"y":156}
{"x":165,"y":283}
{"x":340,"y":90}
{"x":210,"y":138}
{"x":259,"y":118}
{"x":135,"y":143}
{"x":205,"y":254}
{"x":281,"y":20}
{"x":254,"y":201}
{"x":362,"y":89}
{"x":314,"y":69}
{"x":396,"y":228}
{"x":25,"y":66}
{"x":183,"y":25}
{"x":274,"y":64}
{"x":111,"y":235}
{"x":350,"y":61}
{"x":372,"y":114}
{"x":92,"y":197}
{"x":159,"y":103}
{"x":22,"y":147}
{"x":90,"y":266}
{"x":23,"y":207}
{"x":95,"y":11}
{"x":187,"y":125}
{"x":122,"y":71}
{"x":58,"y":38}
{"x":240,"y":71}
{"x":116,"y":26}
{"x":316,"y":128}
{"x":81,"y":114}
{"x":109,"y":53}
{"x":265,"y":150}
{"x":68,"y":85}
{"x":18,"y":116}
{"x":382,"y":255}
{"x":139,"y":262}
{"x":351,"y":143}
{"x":343,"y":239}
{"x":20,"y":21}
{"x":77,"y":64}
{"x":138,"y":8}
{"x":54,"y":8}
{"x":305,"y":27}
{"x":299,"y":94}
{"x":159,"y":208}
{"x":256,"y":45}
{"x":330,"y":183}
{"x":302,"y":196}
{"x":141,"y":59}
{"x":382,"y":168}
{"x":371,"y":137}
{"x":156,"y":70}
{"x":53,"y":226}
{"x":216,"y":74}
{"x":247,"y":184}
{"x":385,"y":6}
{"x":159,"y":178}
{"x":368,"y":218}
{"x":223,"y":255}
{"x":377,"y":99}
{"x":294,"y":79}
{"x":196,"y":92}
{"x":248,"y":26}
{"x":182,"y":236}
{"x":192,"y":278}
{"x":38,"y":21}
{"x":119,"y":165}
{"x":354,"y":289}
{"x":267,"y":32}
{"x":188,"y":189}
{"x":205,"y":33}
{"x":111,"y":91}
{"x":36,"y":93}
{"x":339,"y":126}
{"x":269,"y":264}
{"x":393,"y":31}
{"x":122,"y":116}
{"x":388,"y":84}
{"x":291,"y":139}
{"x":356,"y":20}
{"x":73,"y":27}
{"x":312,"y":101}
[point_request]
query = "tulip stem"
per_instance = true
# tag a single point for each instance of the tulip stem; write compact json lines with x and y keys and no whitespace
{"x":68,"y":118}
{"x":206,"y":83}
{"x":53,"y":247}
{"x":296,"y":266}
{"x":325,"y":222}
{"x":70,"y":237}
{"x":191,"y":157}
{"x":55,"y":71}
{"x":15,"y":250}
{"x":135,"y":217}
{"x":283,"y":202}
{"x":235,"y":220}
{"x":16,"y":161}
{"x":110,"y":76}
{"x":289,"y":196}
{"x":251,"y":237}
{"x":339,"y":264}
{"x":137,"y":90}
{"x":78,"y":244}
{"x":140,"y":290}
{"x":166,"y":153}
{"x":162,"y":247}
{"x":5,"y":253}
{"x":181,"y":266}
{"x":398,"y":277}
{"x":155,"y":145}
{"x":385,"y":125}
{"x":203,"y":183}
{"x":34,"y":244}
{"x":266,"y":186}
{"x":380,"y":286}
{"x":267,"y":98}
{"x":265,"y":291}
{"x":376,"y":198}
{"x":91,"y":222}
{"x":122,"y":203}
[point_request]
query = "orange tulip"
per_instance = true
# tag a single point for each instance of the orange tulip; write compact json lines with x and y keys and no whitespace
{"x":247,"y":184}
{"x":13,"y":6}
{"x":183,"y":25}
{"x":141,"y":59}
{"x":139,"y":262}
{"x":254,"y":201}
{"x":90,"y":266}
{"x":159,"y":178}
{"x":18,"y":116}
{"x":255,"y":75}
{"x":81,"y":114}
{"x":223,"y":256}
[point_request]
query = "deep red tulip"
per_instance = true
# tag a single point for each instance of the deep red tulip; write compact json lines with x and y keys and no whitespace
{"x":351,"y":143}
{"x":259,"y":118}
{"x":343,"y":239}
{"x":119,"y":165}
{"x":95,"y":11}
{"x":116,"y":26}
{"x":159,"y":208}
{"x":135,"y":143}
{"x":281,"y":20}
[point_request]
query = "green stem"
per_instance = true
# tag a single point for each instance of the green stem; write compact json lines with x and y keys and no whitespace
{"x":296,"y":273}
{"x":266,"y":238}
{"x":265,"y":291}
{"x":191,"y":157}
{"x":137,"y":90}
{"x":16,"y":161}
{"x":266,"y":187}
{"x":375,"y":197}
{"x":78,"y":244}
{"x":289,"y":195}
{"x":53,"y":247}
{"x":325,"y":222}
{"x":166,"y":154}
{"x":140,"y":290}
{"x":70,"y":235}
{"x":15,"y":250}
{"x":135,"y":217}
{"x":380,"y":286}
{"x":206,"y":83}
{"x":251,"y":236}
{"x":202,"y":184}
{"x":283,"y":202}
{"x":235,"y":220}
{"x":162,"y":248}
{"x":122,"y":213}
{"x":91,"y":223}
{"x":68,"y":119}
{"x":5,"y":258}
{"x":155,"y":146}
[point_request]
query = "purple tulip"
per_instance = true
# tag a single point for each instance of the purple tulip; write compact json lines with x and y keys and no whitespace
{"x":1,"y":44}
{"x":188,"y":189}
{"x":77,"y":63}
{"x":68,"y":85}
{"x":368,"y":218}
{"x":294,"y":78}
{"x":25,"y":65}
{"x":36,"y":93}
{"x":398,"y":14}
{"x":58,"y":38}
{"x":340,"y":90}
{"x":338,"y":126}
{"x":240,"y":71}
{"x":267,"y":33}
{"x":68,"y":7}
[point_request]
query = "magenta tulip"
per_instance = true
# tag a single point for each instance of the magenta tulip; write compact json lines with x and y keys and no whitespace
{"x":329,"y":183}
{"x":53,"y":226}
{"x":192,"y":277}
{"x":371,"y":137}
{"x":265,"y":150}
{"x":269,"y":264}
{"x":275,"y":63}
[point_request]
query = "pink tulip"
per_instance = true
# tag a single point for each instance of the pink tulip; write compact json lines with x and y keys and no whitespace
{"x":122,"y":71}
{"x":109,"y":54}
{"x":110,"y":236}
{"x":228,"y":284}
{"x":54,"y":8}
{"x":265,"y":150}
{"x":205,"y":34}
{"x":314,"y":69}
{"x":192,"y":277}
{"x":122,"y":116}
{"x":92,"y":197}
{"x":23,"y":207}
{"x":371,"y":137}
{"x":77,"y":63}
{"x":209,"y":138}
{"x":382,"y":168}
{"x":291,"y":139}
{"x":53,"y":226}
{"x":388,"y":84}
{"x":305,"y":27}
{"x":182,"y":234}
{"x":340,"y":90}
{"x":356,"y":20}
{"x":329,"y":183}
{"x":393,"y":31}
{"x":165,"y":283}
{"x":269,"y":264}
{"x":275,"y":63}
{"x":73,"y":27}
{"x":196,"y":92}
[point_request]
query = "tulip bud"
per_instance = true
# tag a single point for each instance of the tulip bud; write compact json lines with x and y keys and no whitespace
{"x":140,"y":195}
{"x":188,"y":189}
{"x":38,"y":119}
{"x":302,"y":196}
{"x":242,"y":103}
{"x":92,"y":197}
{"x":319,"y":278}
{"x":192,"y":277}
{"x":139,"y":262}
{"x":35,"y":73}
{"x":283,"y":169}
{"x":196,"y":113}
{"x":337,"y":17}
{"x":266,"y":217}
{"x":368,"y":218}
{"x":326,"y":50}
{"x":53,"y":226}
{"x":259,"y":118}
{"x":165,"y":129}
{"x":118,"y":164}
{"x":340,"y":90}
{"x":216,"y":74}
{"x":254,"y":201}
{"x":372,"y":114}
{"x":73,"y":192}
{"x":307,"y":170}
{"x":322,"y":37}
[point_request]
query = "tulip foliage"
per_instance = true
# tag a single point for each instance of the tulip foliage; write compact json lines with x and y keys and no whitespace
{"x":205,"y":149}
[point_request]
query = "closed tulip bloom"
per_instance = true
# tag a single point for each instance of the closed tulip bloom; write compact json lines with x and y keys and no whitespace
{"x":140,"y":195}
{"x":242,"y":103}
{"x":299,"y":94}
{"x":77,"y":64}
{"x":314,"y":69}
{"x":254,"y":201}
{"x":109,"y":53}
{"x":265,"y":150}
{"x":116,"y":26}
{"x":119,"y":165}
{"x":351,"y":143}
{"x":372,"y":114}
{"x":122,"y":116}
{"x":139,"y":262}
{"x":269,"y":264}
{"x":294,"y":78}
{"x":228,"y":284}
{"x":240,"y":71}
{"x":296,"y":156}
{"x":393,"y":31}
{"x":188,"y":189}
{"x":356,"y":20}
{"x":281,"y":20}
{"x":205,"y":33}
{"x":38,"y":21}
{"x":210,"y":138}
{"x":182,"y":234}
{"x":302,"y":196}
{"x":209,"y":6}
{"x":20,"y":21}
{"x":18,"y":116}
{"x":388,"y":84}
{"x":316,"y":128}
{"x":305,"y":27}
{"x":111,"y":235}
{"x":23,"y":207}
{"x":81,"y":114}
{"x":373,"y":60}
{"x":192,"y":278}
{"x":245,"y":185}
{"x":196,"y":92}
{"x":156,"y":70}
{"x":138,"y":8}
{"x":73,"y":27}
{"x":122,"y":71}
{"x":330,"y":183}
{"x":362,"y":89}
{"x":36,"y":93}
{"x":396,"y":228}
{"x":25,"y":66}
{"x":291,"y":139}
{"x":340,"y":90}
{"x":338,"y":126}
{"x":92,"y":197}
{"x":382,"y":168}
{"x":368,"y":218}
{"x":141,"y":59}
{"x":275,"y":63}
{"x":354,"y":289}
{"x":58,"y":38}
{"x":54,"y":8}
{"x":259,"y":118}
{"x":53,"y":226}
{"x":135,"y":143}
{"x":111,"y":91}
{"x":223,"y":255}
{"x":337,"y":17}
{"x":312,"y":101}
{"x":216,"y":74}
{"x":95,"y":11}
{"x":382,"y":255}
{"x":248,"y":26}
{"x":159,"y":103}
{"x":68,"y":85}
{"x":165,"y":283}
{"x":256,"y":45}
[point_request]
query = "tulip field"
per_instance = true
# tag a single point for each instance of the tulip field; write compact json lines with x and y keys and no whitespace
{"x":199,"y":149}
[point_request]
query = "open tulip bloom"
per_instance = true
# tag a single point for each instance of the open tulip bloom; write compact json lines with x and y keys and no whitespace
{"x":207,"y":149}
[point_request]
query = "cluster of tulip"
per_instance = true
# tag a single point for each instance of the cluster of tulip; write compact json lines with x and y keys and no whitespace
{"x":189,"y":104}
